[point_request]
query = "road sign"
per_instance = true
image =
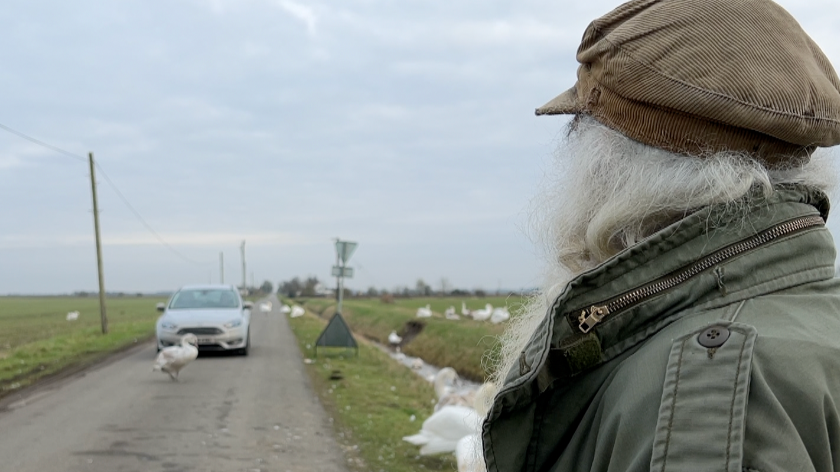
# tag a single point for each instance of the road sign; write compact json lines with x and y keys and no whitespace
{"x":345,"y":249}
{"x":346,"y":272}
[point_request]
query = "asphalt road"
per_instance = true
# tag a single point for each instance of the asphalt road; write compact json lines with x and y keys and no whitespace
{"x":227,"y":413}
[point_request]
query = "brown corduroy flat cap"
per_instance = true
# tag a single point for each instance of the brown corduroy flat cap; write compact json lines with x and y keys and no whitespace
{"x":693,"y":76}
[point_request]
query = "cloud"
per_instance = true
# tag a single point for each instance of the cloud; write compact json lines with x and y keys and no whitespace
{"x":302,"y":13}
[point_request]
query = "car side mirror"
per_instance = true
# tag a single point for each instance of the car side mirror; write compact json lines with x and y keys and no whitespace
{"x":161,"y":307}
{"x":247,"y":305}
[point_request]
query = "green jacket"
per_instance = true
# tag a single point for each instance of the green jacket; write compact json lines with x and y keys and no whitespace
{"x":712,"y":346}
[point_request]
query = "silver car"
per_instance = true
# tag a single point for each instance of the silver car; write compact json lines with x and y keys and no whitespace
{"x":216,"y":314}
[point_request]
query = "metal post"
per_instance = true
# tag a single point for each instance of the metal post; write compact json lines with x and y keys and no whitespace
{"x":337,"y":283}
{"x":102,"y":313}
{"x":221,"y":267}
{"x":244,"y":282}
{"x":340,"y":288}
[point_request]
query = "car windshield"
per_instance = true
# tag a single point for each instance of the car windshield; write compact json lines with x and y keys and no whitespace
{"x":209,"y":298}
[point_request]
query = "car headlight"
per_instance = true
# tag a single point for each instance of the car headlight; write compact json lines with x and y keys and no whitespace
{"x":168,"y":325}
{"x":233,"y":324}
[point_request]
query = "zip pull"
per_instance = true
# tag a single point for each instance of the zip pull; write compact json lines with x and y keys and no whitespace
{"x":589,"y":318}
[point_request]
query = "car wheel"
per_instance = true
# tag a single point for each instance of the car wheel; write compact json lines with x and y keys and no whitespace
{"x":244,"y":350}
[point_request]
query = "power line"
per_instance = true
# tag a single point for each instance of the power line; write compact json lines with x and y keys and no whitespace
{"x":110,"y":182}
{"x":142,"y":220}
{"x":41,"y":143}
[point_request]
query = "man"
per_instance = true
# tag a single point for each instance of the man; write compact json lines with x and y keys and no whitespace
{"x":690,"y":319}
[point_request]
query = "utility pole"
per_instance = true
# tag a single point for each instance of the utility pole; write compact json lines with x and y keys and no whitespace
{"x":221,"y":267}
{"x":244,"y":282}
{"x":103,"y":316}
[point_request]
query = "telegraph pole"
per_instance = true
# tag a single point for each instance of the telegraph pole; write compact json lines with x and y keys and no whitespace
{"x":221,"y":267}
{"x":102,"y":314}
{"x":244,"y":282}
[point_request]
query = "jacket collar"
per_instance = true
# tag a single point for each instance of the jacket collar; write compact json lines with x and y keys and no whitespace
{"x":559,"y":351}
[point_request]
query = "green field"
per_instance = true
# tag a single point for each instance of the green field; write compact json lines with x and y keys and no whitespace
{"x":373,"y":402}
{"x":465,"y":345}
{"x":36,"y":340}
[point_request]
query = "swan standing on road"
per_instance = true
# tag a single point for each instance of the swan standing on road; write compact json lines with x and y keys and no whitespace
{"x":173,"y":358}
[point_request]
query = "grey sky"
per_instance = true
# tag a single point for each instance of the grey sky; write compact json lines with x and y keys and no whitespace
{"x":406,"y":126}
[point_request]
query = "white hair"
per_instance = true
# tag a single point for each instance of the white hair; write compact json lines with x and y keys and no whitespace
{"x":607,"y":192}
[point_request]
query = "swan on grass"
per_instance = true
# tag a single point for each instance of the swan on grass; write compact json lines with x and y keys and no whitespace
{"x":424,"y":311}
{"x":297,"y":311}
{"x":285,"y":309}
{"x":442,"y":431}
{"x":450,"y":314}
{"x":450,"y":391}
{"x":499,"y":315}
{"x":484,"y":313}
{"x":173,"y":358}
{"x":73,"y":316}
{"x":464,"y":310}
{"x":394,"y":339}
{"x":457,"y":429}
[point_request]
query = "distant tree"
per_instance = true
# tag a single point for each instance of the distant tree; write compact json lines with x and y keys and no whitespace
{"x":421,"y":288}
{"x":459,"y":293}
{"x":480,"y":293}
{"x":292,"y":288}
{"x":445,"y":286}
{"x":310,"y":286}
{"x":372,"y":292}
{"x":267,"y":287}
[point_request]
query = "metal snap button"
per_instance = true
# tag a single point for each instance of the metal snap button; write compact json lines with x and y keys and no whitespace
{"x":713,"y":336}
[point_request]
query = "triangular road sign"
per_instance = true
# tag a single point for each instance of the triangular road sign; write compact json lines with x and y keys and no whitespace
{"x":336,"y":334}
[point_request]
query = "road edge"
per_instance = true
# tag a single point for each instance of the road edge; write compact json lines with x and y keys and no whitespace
{"x":18,"y":398}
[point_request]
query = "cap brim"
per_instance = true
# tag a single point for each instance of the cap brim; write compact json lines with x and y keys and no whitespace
{"x":563,"y":104}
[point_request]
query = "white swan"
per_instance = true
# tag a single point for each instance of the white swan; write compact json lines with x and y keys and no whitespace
{"x":447,"y":389}
{"x":447,"y":428}
{"x":424,"y":311}
{"x":469,"y":454}
{"x":442,"y":431}
{"x":394,"y":339}
{"x":484,"y":313}
{"x":173,"y":358}
{"x":297,"y":311}
{"x":285,"y":309}
{"x":499,"y":315}
{"x":73,"y":316}
{"x":265,"y":307}
{"x":464,"y":310}
{"x":468,"y":451}
{"x":450,"y":314}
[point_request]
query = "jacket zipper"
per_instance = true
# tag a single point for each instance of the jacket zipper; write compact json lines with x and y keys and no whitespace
{"x":588,"y":318}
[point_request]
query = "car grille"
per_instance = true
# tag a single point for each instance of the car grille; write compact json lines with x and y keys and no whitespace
{"x":199,"y":331}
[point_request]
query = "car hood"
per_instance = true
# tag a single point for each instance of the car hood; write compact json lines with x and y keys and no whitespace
{"x":204,"y":317}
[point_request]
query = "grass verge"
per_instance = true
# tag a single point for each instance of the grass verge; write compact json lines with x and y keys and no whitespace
{"x":372,"y":404}
{"x":37,"y":341}
{"x":466,"y":345}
